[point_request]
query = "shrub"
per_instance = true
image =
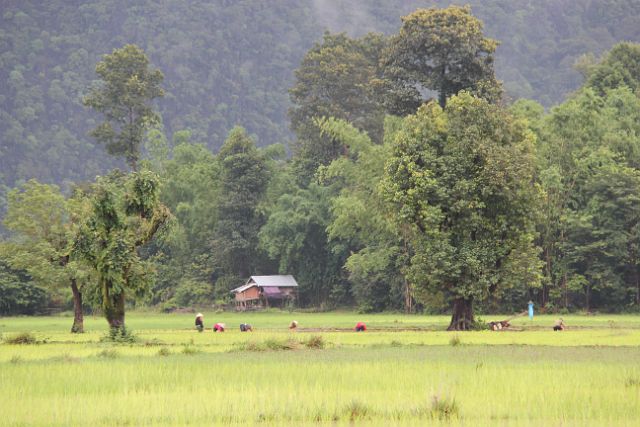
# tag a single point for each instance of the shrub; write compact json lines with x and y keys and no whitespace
{"x":119,"y":335}
{"x":273,"y":344}
{"x":108,"y":353}
{"x":315,"y":341}
{"x":21,"y":338}
{"x":443,"y":408}
{"x":190,"y":350}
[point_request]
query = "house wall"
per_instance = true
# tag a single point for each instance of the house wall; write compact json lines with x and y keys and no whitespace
{"x":249,"y":294}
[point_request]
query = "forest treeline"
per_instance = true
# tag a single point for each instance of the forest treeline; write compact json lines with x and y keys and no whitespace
{"x":232,"y":62}
{"x":414,"y":182}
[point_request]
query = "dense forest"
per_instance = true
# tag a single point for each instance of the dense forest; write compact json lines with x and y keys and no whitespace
{"x":231,"y":63}
{"x":460,"y":158}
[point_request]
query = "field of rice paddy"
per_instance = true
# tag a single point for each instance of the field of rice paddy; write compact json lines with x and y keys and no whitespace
{"x":404,"y":370}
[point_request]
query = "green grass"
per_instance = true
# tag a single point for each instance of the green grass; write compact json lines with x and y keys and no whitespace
{"x":402,"y":371}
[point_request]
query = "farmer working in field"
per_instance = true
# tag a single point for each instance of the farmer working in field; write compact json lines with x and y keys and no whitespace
{"x":361,"y":327}
{"x":245,"y":327}
{"x":293,"y":324}
{"x":199,"y":322}
{"x":218,"y":327}
{"x":559,"y":325}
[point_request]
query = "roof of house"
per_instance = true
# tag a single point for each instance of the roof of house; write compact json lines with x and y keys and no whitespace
{"x":280,"y":281}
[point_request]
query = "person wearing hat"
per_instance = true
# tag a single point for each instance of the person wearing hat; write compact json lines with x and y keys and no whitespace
{"x":199,"y":322}
{"x":559,"y":325}
{"x":361,"y":327}
{"x":293,"y":324}
{"x":245,"y":327}
{"x":218,"y":327}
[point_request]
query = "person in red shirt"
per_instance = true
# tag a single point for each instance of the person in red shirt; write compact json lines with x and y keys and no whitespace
{"x":360,"y":327}
{"x":218,"y":327}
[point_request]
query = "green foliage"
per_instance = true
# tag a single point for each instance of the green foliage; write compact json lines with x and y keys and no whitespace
{"x":243,"y":180}
{"x":360,"y":220}
{"x":335,"y":79}
{"x":442,"y":50}
{"x":295,"y":236}
{"x":124,"y":98}
{"x":240,"y":72}
{"x":461,"y":179}
{"x":43,"y":225}
{"x":125,"y":215}
{"x":620,"y":67}
{"x":589,"y":156}
{"x":118,"y":336}
{"x":18,"y":293}
{"x":191,"y":292}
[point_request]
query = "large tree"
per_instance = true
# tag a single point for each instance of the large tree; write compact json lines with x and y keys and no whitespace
{"x":243,"y":180}
{"x":620,"y":67}
{"x":335,"y":79}
{"x":377,"y":247}
{"x":462,"y":178}
{"x":44,"y":226}
{"x":442,"y":50}
{"x":126,"y":213}
{"x":127,"y":87}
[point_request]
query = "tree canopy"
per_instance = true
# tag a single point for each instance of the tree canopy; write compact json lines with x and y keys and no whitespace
{"x":462,"y":177}
{"x":124,"y":97}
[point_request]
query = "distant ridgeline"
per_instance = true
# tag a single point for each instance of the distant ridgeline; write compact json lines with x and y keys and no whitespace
{"x":231,"y":62}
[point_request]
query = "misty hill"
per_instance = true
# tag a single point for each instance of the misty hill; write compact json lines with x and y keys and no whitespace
{"x":231,"y":62}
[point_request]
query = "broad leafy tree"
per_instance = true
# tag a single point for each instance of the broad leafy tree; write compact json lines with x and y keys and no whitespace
{"x":44,"y":226}
{"x":462,"y":178}
{"x":442,"y":50}
{"x":127,"y":87}
{"x":620,"y":67}
{"x":126,"y":214}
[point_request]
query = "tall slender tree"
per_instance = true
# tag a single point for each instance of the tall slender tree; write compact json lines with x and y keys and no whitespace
{"x":243,"y":181}
{"x":127,"y":88}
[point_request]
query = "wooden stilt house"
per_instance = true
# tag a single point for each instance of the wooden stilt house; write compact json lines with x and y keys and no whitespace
{"x":266,"y":291}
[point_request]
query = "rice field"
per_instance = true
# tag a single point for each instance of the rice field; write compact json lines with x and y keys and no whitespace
{"x":404,"y":370}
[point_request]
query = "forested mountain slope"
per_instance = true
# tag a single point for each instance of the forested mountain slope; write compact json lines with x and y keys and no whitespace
{"x":230,"y":62}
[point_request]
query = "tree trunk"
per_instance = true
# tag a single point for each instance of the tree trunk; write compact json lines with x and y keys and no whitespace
{"x":462,"y":318}
{"x":408,"y":298}
{"x":566,"y":291}
{"x":637,"y":286}
{"x":114,"y":312}
{"x":587,"y":298}
{"x":78,"y":317}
